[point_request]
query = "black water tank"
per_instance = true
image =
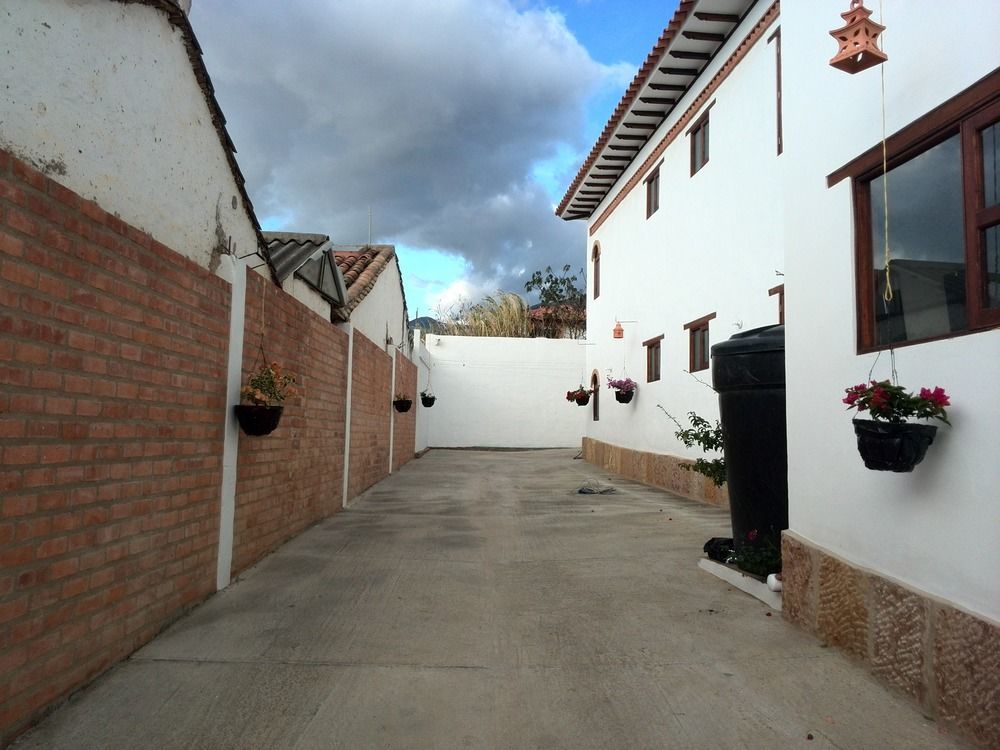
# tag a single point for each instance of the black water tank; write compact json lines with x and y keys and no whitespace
{"x":748,"y":371}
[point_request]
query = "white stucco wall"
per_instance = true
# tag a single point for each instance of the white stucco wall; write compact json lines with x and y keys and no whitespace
{"x":306,"y":295}
{"x":102,"y":97}
{"x":714,"y":245}
{"x":504,"y":393}
{"x":937,"y":529}
{"x":383,"y":310}
{"x":423,"y":362}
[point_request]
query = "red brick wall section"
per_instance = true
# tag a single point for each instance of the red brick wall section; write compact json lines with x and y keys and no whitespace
{"x":404,"y":436}
{"x":112,"y":359}
{"x":371,"y":411}
{"x":292,"y":478}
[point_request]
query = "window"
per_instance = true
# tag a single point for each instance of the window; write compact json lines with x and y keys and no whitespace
{"x":595,"y":256}
{"x":944,"y":224}
{"x":653,"y":358}
{"x":653,"y":191}
{"x":699,"y":141}
{"x":699,"y":349}
{"x":780,"y":292}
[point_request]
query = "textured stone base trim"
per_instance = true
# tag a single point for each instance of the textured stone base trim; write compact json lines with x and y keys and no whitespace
{"x":945,"y":659}
{"x":655,"y":469}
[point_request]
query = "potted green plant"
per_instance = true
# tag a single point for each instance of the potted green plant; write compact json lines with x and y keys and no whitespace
{"x":401,"y":402}
{"x":427,"y":397}
{"x":887,"y":442}
{"x":624,"y":389}
{"x":265,"y":390}
{"x":581,"y":395}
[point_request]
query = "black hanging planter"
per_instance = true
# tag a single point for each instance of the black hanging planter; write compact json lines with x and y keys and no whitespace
{"x":582,"y":400}
{"x":402,"y":404}
{"x":256,"y":419}
{"x":624,"y":397}
{"x":428,"y":401}
{"x":893,"y":446}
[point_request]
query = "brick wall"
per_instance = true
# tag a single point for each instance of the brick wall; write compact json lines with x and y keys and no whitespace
{"x":404,"y":436}
{"x":293,"y":477}
{"x":371,"y":410}
{"x":112,"y":359}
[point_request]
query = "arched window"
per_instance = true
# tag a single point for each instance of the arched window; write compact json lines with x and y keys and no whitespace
{"x":595,"y":256}
{"x":595,"y":386}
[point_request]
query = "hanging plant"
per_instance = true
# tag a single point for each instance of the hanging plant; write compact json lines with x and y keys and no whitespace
{"x":887,"y":441}
{"x":265,"y":390}
{"x":401,"y":403}
{"x":427,"y":398}
{"x":581,"y":396}
{"x":625,"y":389}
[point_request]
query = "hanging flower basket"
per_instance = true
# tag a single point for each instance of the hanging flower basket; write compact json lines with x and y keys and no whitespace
{"x":427,"y":399}
{"x":624,"y":397}
{"x":582,"y":400}
{"x":889,"y":446}
{"x":581,"y":396}
{"x":258,"y":419}
{"x":624,"y":389}
{"x":402,"y":404}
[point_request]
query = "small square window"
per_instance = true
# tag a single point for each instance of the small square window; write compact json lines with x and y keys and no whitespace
{"x":699,"y":343}
{"x":653,"y":192}
{"x":653,"y":358}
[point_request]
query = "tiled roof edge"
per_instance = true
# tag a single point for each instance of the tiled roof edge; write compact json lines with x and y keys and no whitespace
{"x":647,"y":69}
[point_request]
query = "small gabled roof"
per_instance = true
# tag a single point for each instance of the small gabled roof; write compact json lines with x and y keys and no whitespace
{"x":361,"y":265}
{"x":309,"y":257}
{"x":685,"y":48}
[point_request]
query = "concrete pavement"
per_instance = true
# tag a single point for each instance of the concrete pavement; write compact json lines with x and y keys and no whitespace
{"x":476,"y":600}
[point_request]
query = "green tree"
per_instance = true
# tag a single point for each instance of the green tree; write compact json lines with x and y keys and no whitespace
{"x":562,"y":309}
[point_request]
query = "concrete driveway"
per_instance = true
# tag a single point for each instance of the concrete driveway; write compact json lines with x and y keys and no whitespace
{"x":476,"y":600}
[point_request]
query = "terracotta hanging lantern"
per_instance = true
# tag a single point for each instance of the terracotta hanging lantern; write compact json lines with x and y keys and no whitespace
{"x":618,"y":331}
{"x":858,"y":40}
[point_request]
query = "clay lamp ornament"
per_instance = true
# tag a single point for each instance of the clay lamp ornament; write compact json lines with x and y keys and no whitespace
{"x":858,"y":40}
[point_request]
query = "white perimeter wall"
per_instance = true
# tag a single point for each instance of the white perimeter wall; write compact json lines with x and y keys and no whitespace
{"x":502,"y":393}
{"x":713,"y":246}
{"x":937,"y":529}
{"x":101,"y":96}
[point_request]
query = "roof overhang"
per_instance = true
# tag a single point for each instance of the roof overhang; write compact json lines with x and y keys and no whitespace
{"x":687,"y":46}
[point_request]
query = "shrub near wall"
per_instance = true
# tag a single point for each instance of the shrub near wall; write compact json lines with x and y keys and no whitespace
{"x":112,"y":358}
{"x":292,"y":478}
{"x":404,"y":435}
{"x":371,"y":410}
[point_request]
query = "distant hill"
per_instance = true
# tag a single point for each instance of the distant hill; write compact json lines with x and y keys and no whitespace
{"x":427,"y":324}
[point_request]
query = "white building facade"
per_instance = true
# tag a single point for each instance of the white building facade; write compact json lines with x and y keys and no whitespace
{"x":760,"y":164}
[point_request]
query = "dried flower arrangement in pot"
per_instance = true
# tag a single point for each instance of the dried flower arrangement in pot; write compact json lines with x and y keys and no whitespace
{"x":265,"y":390}
{"x":887,"y":441}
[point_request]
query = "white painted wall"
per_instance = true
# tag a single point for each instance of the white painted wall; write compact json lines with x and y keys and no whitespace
{"x":937,"y":529}
{"x":384,"y":310}
{"x":713,"y":246}
{"x":101,"y":97}
{"x":504,"y":393}
{"x":422,"y":360}
{"x":305,"y":294}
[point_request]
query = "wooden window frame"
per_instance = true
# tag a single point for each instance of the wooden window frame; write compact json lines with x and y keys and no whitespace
{"x":776,"y":38}
{"x":595,"y":386}
{"x":654,"y":358}
{"x":652,"y":183}
{"x":699,"y":130}
{"x":780,"y":292}
{"x":962,"y":115}
{"x":595,"y":257}
{"x":695,"y":329}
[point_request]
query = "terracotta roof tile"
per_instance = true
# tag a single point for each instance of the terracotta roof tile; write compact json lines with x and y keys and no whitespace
{"x":361,"y":266}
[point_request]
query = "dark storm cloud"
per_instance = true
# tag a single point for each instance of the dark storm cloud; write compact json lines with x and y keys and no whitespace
{"x":431,"y":113}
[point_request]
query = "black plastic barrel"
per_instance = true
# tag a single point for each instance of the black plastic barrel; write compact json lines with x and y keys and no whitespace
{"x":748,"y":372}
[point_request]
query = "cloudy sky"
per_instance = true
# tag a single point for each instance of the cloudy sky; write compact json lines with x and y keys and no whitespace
{"x":457,"y":123}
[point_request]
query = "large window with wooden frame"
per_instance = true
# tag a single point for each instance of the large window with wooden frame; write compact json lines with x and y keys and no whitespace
{"x":939,"y":273}
{"x":653,"y":192}
{"x":653,"y":358}
{"x":699,"y":343}
{"x":698,"y":134}
{"x":595,"y":257}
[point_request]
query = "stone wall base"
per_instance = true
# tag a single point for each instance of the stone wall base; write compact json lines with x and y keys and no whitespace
{"x":945,"y":659}
{"x":655,"y":469}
